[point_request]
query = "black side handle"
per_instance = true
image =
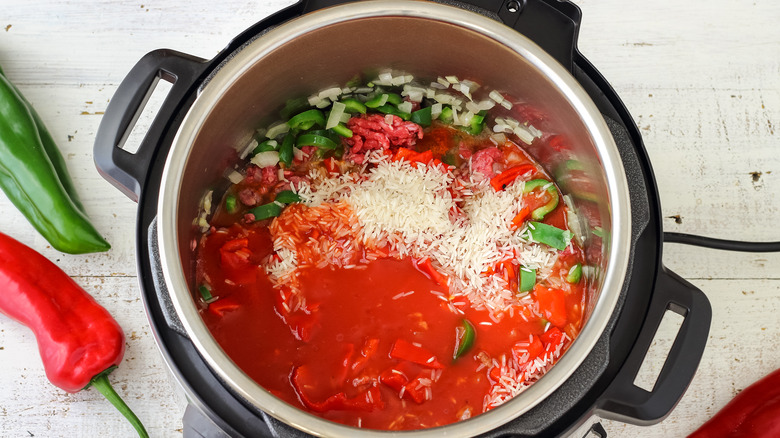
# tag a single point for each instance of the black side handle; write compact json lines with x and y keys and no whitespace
{"x":552,"y":24}
{"x":125,"y":170}
{"x":626,"y":402}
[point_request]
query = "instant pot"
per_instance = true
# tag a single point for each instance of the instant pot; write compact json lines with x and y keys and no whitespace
{"x":526,"y":48}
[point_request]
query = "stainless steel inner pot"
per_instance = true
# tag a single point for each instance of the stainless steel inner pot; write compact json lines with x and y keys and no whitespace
{"x":330,"y":47}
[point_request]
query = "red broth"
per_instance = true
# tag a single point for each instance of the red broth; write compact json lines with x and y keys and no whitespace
{"x":362,"y":333}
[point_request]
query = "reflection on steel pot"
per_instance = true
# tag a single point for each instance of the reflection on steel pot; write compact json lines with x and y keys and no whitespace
{"x":214,"y":108}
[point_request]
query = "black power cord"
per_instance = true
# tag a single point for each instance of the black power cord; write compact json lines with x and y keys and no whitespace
{"x":726,"y":245}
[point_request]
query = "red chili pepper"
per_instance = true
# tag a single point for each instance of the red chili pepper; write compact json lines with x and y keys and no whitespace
{"x":367,"y":400}
{"x":331,"y":165}
{"x":427,"y":268}
{"x":552,"y":304}
{"x":754,"y":412}
{"x":404,"y":350}
{"x":503,"y":179}
{"x":394,"y":377}
{"x":79,"y":342}
{"x":520,"y":218}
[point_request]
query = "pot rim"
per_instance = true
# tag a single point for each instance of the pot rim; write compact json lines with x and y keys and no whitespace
{"x":245,"y":387}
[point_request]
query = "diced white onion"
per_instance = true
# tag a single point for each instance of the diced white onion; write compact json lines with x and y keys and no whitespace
{"x":324,"y":103}
{"x":314,"y":100}
{"x":436,"y":110}
{"x":345,"y":117}
{"x":207,"y":202}
{"x":363,"y":90}
{"x":442,"y":81}
{"x":480,"y":106}
{"x":495,"y":95}
{"x":506,"y":104}
{"x":389,"y":119}
{"x":499,"y":138}
{"x":299,"y":154}
{"x":249,"y":148}
{"x":385,"y":78}
{"x":235,"y":177}
{"x":277,"y":129}
{"x":335,"y":115}
{"x":451,"y":79}
{"x":265,"y":159}
{"x":330,"y":93}
{"x":405,"y":107}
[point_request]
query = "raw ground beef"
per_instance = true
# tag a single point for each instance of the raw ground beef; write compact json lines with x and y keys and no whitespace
{"x":373,"y":132}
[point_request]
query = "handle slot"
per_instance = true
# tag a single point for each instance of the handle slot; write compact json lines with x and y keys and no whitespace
{"x":661,"y":346}
{"x":147,"y":111}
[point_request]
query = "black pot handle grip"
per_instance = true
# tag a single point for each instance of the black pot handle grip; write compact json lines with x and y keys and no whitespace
{"x":626,"y":402}
{"x":552,"y":24}
{"x":123,"y":169}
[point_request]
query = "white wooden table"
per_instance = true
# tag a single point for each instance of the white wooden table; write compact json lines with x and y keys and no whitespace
{"x":701,"y":78}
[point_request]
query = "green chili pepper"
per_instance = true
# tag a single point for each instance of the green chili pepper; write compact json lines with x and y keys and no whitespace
{"x":53,"y":152}
{"x":266,"y":146}
{"x":465,"y":338}
{"x":266,"y":211}
{"x":286,"y":150}
{"x":319,"y":141}
{"x":395,"y":99}
{"x":476,"y":125}
{"x":422,"y":117}
{"x":231,"y":204}
{"x":575,"y":274}
{"x":549,"y":235}
{"x":390,"y":109}
{"x":307,"y":120}
{"x":527,"y":279}
{"x":205,"y":293}
{"x":294,"y":106}
{"x":287,"y":197}
{"x":539,"y":213}
{"x":32,"y":182}
{"x":377,"y":101}
{"x":342,"y":130}
{"x":354,"y":106}
{"x":446,"y":115}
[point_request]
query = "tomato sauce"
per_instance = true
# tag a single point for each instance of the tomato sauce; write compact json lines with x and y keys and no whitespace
{"x":381,"y":343}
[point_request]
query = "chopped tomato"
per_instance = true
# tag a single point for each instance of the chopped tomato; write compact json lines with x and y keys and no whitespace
{"x":394,"y":378}
{"x":222,"y":305}
{"x":552,"y":303}
{"x":404,"y":350}
{"x":417,"y":390}
{"x":331,"y":165}
{"x":368,"y":400}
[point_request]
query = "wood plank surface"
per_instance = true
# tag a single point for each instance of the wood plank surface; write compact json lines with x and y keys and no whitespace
{"x":701,"y":79}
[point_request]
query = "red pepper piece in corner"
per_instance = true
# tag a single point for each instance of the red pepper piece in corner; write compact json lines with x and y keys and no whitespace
{"x":367,"y":401}
{"x":79,"y":341}
{"x":404,"y":350}
{"x":552,"y":304}
{"x":754,"y":412}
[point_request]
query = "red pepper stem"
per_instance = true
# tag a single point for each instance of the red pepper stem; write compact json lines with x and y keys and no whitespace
{"x":101,"y":383}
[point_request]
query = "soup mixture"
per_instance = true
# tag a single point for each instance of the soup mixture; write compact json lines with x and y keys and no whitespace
{"x":390,"y":257}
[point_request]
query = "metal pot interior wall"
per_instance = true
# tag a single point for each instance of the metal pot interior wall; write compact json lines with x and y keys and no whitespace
{"x":329,"y":48}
